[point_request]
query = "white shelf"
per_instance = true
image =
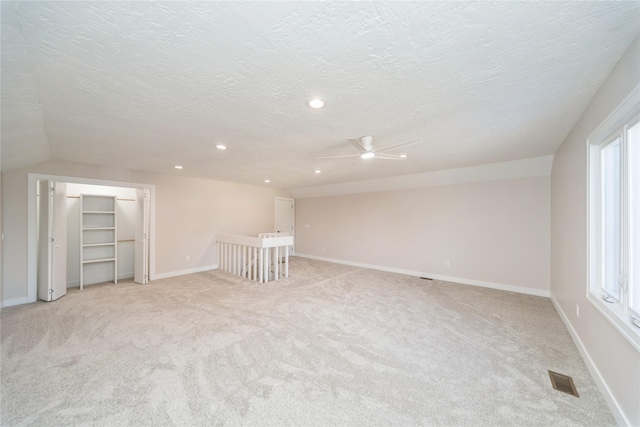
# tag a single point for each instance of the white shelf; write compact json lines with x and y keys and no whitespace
{"x":91,"y":261}
{"x":97,"y":213}
{"x":94,"y":245}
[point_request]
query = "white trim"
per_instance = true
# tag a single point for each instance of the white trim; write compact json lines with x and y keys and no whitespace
{"x":538,"y":166}
{"x":620,"y":320}
{"x":76,"y":283}
{"x":614,"y":406}
{"x":16,"y":301}
{"x":32,"y":244}
{"x":128,"y":275}
{"x":460,"y":280}
{"x":185,"y":272}
{"x":614,"y":123}
{"x":628,"y":108}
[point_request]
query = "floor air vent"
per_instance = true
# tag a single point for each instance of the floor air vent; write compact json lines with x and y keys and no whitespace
{"x":563,"y":383}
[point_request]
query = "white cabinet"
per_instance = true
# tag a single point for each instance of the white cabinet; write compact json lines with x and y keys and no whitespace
{"x":98,"y":235}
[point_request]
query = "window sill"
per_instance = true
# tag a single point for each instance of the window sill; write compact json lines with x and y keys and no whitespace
{"x":618,"y":318}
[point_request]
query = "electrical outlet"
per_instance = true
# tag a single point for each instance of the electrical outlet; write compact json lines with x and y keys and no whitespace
{"x":447,"y":264}
{"x":188,"y":258}
{"x":307,"y":226}
{"x":323,"y":249}
{"x":577,"y":310}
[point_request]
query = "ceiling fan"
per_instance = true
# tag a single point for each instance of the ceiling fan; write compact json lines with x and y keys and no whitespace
{"x":366,"y":150}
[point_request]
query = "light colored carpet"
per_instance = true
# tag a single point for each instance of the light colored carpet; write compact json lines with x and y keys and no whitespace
{"x":331,"y":345}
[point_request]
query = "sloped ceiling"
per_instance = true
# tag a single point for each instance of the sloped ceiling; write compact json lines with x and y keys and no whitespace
{"x":147,"y":85}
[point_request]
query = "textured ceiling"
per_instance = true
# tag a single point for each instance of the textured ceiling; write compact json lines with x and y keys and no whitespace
{"x":146,"y":85}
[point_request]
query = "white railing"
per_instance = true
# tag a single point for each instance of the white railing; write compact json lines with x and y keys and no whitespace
{"x":261,"y":258}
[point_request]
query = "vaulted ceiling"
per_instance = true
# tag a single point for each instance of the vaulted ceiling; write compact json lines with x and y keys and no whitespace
{"x":148,"y":85}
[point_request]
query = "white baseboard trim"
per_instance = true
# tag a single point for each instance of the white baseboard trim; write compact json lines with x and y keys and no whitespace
{"x":614,"y":406}
{"x":463,"y":281}
{"x":76,"y":283}
{"x":16,"y":301}
{"x":183,"y":272}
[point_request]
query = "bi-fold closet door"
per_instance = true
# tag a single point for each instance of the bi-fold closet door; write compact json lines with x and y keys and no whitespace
{"x":141,"y":268}
{"x":52,"y":240}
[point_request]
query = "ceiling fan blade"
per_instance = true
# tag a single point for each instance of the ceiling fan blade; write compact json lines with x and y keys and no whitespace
{"x":338,"y":157}
{"x":397,"y":146}
{"x":383,"y":156}
{"x":356,"y":143}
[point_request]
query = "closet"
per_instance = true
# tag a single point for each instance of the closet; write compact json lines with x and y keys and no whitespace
{"x":82,"y":233}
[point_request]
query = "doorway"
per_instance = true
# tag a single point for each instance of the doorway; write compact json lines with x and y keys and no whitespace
{"x":285,"y":215}
{"x":135,"y":247}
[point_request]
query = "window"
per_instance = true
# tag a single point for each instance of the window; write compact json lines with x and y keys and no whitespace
{"x":614,"y":218}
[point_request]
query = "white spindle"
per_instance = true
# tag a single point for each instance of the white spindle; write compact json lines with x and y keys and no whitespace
{"x":254,"y":263}
{"x":226,"y":257}
{"x":266,"y":265}
{"x":286,"y":261}
{"x":276,"y":263}
{"x":236,"y":253}
{"x":259,"y":262}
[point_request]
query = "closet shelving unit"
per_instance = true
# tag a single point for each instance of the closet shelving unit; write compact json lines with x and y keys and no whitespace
{"x":98,"y":233}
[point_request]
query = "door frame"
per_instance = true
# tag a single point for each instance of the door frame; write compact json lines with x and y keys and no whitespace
{"x":275,"y":219}
{"x":32,"y":227}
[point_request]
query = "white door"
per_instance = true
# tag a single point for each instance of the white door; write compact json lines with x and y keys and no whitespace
{"x":52,"y":240}
{"x":141,"y":270}
{"x":285,"y":218}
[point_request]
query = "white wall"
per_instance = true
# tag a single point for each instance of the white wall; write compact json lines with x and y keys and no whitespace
{"x":125,"y":210}
{"x":189,"y":212}
{"x":493,"y":233}
{"x":612,"y":359}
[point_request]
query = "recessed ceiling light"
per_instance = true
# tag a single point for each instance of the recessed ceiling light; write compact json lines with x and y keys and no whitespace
{"x":404,"y":156}
{"x":368,"y":155}
{"x":267,"y":181}
{"x":316,"y":103}
{"x":317,"y":171}
{"x":221,"y":147}
{"x":177,"y":166}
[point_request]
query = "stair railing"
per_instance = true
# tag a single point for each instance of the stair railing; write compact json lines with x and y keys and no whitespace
{"x":261,"y":258}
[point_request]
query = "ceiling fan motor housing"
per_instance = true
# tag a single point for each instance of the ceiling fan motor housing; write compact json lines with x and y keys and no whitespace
{"x":367,"y":142}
